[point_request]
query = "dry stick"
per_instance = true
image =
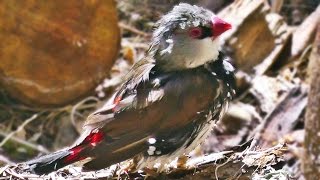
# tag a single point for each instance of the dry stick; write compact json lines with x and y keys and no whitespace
{"x":220,"y":165}
{"x":241,"y":158}
{"x":20,"y":141}
{"x":33,"y":117}
{"x":140,"y":45}
{"x":4,"y":169}
{"x":14,"y":174}
{"x":77,"y":106}
{"x":5,"y":160}
{"x":133,"y":29}
{"x":26,"y":143}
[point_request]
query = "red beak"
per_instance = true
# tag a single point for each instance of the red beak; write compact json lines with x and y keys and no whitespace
{"x":219,"y":26}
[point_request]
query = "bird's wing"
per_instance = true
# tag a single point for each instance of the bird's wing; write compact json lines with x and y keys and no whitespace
{"x":124,"y":97}
{"x":163,"y":103}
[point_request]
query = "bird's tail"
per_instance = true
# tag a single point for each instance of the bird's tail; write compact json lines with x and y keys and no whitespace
{"x":54,"y":161}
{"x":48,"y":163}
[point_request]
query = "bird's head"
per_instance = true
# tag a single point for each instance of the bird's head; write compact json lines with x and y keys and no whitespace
{"x":187,"y":37}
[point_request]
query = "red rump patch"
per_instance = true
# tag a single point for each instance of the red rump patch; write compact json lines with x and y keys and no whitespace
{"x":75,"y":153}
{"x":94,"y":138}
{"x":116,"y":101}
{"x":74,"y":156}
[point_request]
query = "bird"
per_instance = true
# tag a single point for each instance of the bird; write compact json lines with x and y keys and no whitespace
{"x":168,"y":103}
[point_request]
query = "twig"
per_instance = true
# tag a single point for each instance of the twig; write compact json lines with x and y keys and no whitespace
{"x":218,"y":166}
{"x":26,"y":143}
{"x":4,"y":168}
{"x":144,"y":46}
{"x":133,"y":29}
{"x":78,"y":105}
{"x":5,"y":160}
{"x":33,"y":117}
{"x":15,"y":174}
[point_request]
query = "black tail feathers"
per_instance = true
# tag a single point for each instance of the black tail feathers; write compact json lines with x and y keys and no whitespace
{"x":48,"y":163}
{"x":52,"y":162}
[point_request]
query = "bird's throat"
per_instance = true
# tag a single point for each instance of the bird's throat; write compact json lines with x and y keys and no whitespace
{"x":189,"y":55}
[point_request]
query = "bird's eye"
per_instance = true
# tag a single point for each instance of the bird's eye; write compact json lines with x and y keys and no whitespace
{"x":195,"y":32}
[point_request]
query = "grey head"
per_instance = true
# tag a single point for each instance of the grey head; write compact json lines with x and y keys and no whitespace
{"x":186,"y":37}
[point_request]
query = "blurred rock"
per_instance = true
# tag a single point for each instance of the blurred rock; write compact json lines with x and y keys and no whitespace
{"x":55,"y":52}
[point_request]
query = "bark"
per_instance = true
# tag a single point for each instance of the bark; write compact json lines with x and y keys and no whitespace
{"x":311,"y":161}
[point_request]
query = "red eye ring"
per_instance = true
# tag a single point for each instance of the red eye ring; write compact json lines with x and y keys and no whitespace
{"x":195,"y":32}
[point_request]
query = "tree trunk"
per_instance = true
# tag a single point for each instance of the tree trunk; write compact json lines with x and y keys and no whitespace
{"x":311,"y":162}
